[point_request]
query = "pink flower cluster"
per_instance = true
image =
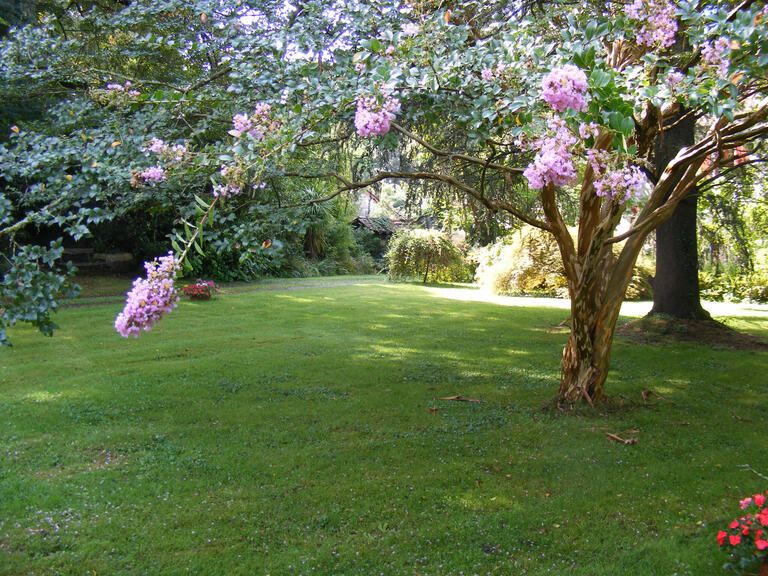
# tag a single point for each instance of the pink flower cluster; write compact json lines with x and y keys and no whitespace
{"x":373,"y":118}
{"x":488,"y":74}
{"x":714,"y":54}
{"x":566,"y":87}
{"x":411,"y":29}
{"x":226,"y":190}
{"x":554,"y":161}
{"x":657,"y":20}
{"x":123,"y":88}
{"x":590,"y":130}
{"x":674,"y":78}
{"x":748,"y":535}
{"x":230,"y":186}
{"x":151,"y":298}
{"x":153,"y":174}
{"x":256,"y":125}
{"x":622,"y":183}
{"x":161,"y":148}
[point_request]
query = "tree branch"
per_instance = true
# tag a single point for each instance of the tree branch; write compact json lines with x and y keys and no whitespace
{"x":453,"y":156}
{"x":348,"y":186}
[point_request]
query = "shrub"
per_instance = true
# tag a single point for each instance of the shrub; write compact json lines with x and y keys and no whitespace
{"x":425,"y":254}
{"x":528,"y":262}
{"x":733,"y":286}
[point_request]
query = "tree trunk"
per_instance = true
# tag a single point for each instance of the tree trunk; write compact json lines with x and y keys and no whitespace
{"x":676,"y":286}
{"x":586,"y":357}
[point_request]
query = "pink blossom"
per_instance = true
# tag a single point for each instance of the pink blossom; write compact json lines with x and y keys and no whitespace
{"x":566,"y":87}
{"x":157,"y":146}
{"x":623,"y":183}
{"x":178,"y":152}
{"x":241,"y":124}
{"x":390,"y":50}
{"x":374,"y":118}
{"x":151,"y":298}
{"x":674,"y":78}
{"x":226,"y":190}
{"x":590,"y":130}
{"x":554,"y":161}
{"x":714,"y":54}
{"x":115,"y":87}
{"x":745,"y":503}
{"x":411,"y":29}
{"x":487,"y":74}
{"x":154,"y":174}
{"x":657,"y":20}
{"x":230,"y":186}
{"x":256,"y":125}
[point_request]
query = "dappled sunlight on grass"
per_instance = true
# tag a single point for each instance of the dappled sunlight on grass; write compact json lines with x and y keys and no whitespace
{"x":480,"y":295}
{"x":42,"y":396}
{"x":485,"y":502}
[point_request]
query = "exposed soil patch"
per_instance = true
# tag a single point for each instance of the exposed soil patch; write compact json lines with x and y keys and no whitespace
{"x":665,"y":330}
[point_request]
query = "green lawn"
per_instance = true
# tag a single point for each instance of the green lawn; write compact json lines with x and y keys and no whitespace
{"x":303,"y":432}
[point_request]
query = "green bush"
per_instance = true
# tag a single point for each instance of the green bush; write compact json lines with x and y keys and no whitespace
{"x":427,"y":254}
{"x":525,"y":262}
{"x":733,"y":286}
{"x":528,"y":262}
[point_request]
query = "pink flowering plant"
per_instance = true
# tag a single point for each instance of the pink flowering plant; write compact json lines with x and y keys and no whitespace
{"x":201,"y":289}
{"x":746,"y":538}
{"x":375,"y":113}
{"x":151,"y":297}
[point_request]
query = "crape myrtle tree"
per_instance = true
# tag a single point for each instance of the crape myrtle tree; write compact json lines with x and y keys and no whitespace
{"x":574,"y":112}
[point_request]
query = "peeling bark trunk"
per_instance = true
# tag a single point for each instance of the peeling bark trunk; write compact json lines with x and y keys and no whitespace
{"x":594,"y":311}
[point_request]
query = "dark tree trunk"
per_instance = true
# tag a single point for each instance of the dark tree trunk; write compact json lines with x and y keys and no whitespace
{"x":676,"y":286}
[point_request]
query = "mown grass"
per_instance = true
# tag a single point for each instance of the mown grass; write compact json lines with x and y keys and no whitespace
{"x":304,"y":432}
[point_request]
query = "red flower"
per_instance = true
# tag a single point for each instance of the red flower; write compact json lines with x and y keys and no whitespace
{"x":759,"y":499}
{"x":761,"y":544}
{"x":734,"y":524}
{"x":721,"y":536}
{"x":734,"y":539}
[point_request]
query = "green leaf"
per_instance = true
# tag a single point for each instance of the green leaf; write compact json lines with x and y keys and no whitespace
{"x":202,"y":203}
{"x":600,"y":78}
